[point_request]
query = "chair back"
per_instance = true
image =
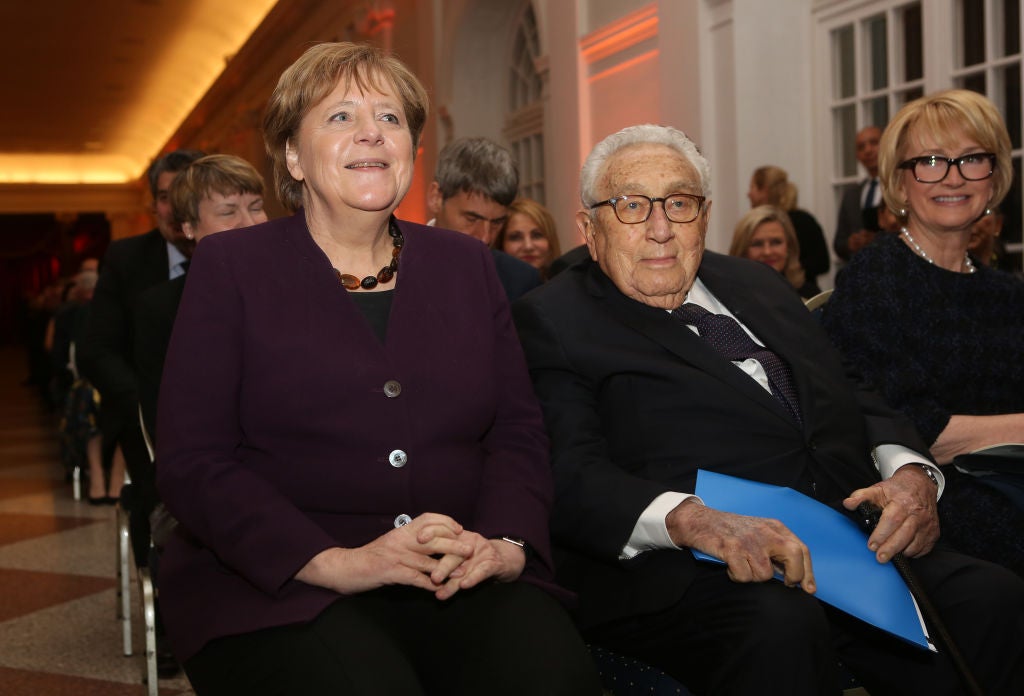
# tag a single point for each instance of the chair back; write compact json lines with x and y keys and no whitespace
{"x":818,"y":301}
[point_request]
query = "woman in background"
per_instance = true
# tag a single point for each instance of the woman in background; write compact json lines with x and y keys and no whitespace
{"x":937,"y":333}
{"x":770,"y":185}
{"x":529,"y":234}
{"x":765,"y":234}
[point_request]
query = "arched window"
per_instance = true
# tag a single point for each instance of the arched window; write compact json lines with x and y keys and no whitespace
{"x":524,"y":121}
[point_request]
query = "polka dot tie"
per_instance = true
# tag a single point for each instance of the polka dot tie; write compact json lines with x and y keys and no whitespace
{"x":726,"y":336}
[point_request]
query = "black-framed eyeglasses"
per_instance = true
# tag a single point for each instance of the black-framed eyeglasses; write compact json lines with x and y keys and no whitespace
{"x":931,"y":169}
{"x":635,"y":208}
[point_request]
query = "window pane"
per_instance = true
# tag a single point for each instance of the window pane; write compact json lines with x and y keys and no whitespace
{"x":877,"y":112}
{"x":974,"y":82}
{"x":1010,"y":97}
{"x":972,"y":26}
{"x":878,"y":52}
{"x":913,"y":54}
{"x":845,"y":127}
{"x":844,"y":77}
{"x":909,"y":95}
{"x":1011,"y":27}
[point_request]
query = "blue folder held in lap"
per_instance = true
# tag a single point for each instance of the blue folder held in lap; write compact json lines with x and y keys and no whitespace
{"x":847,"y":574}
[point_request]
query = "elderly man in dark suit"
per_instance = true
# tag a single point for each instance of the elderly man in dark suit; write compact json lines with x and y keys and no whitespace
{"x":639,"y":391}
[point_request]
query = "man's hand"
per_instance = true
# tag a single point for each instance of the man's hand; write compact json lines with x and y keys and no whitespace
{"x":910,"y":518}
{"x":753,"y":548}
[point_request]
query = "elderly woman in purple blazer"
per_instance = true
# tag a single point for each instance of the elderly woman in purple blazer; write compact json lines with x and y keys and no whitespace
{"x":348,"y":435}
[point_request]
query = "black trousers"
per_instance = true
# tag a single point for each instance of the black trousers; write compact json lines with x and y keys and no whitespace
{"x":765,"y":638}
{"x":496,"y":639}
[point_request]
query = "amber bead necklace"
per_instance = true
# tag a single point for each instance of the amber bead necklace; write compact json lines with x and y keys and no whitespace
{"x":350,"y":282}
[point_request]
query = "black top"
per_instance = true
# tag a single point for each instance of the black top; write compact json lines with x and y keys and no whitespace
{"x":376,"y":307}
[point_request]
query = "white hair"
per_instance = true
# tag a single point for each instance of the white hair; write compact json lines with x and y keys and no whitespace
{"x":647,"y":133}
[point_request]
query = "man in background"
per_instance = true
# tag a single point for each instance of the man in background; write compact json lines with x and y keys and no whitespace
{"x":129,"y":267}
{"x":474,"y":183}
{"x":858,"y":223}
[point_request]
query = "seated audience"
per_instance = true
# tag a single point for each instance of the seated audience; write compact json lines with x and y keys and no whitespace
{"x":474,"y":184}
{"x":765,"y":234}
{"x":529,"y":235}
{"x":936,"y":333}
{"x":639,"y":393}
{"x":770,"y":185}
{"x":214,"y":194}
{"x":81,"y":442}
{"x":347,"y":434}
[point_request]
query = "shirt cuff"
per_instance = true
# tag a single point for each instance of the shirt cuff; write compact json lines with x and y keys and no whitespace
{"x":651,"y":532}
{"x":889,"y":458}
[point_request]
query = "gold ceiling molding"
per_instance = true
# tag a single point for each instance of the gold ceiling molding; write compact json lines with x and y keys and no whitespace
{"x":203,"y":36}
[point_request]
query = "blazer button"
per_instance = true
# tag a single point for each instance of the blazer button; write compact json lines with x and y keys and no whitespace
{"x":402,"y":520}
{"x":398,"y":458}
{"x":392,"y":388}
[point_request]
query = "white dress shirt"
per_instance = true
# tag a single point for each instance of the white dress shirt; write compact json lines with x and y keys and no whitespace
{"x":175,"y":262}
{"x":651,"y":532}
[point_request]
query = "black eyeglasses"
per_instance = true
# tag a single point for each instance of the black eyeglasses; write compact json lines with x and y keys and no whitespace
{"x":931,"y":169}
{"x":634,"y":209}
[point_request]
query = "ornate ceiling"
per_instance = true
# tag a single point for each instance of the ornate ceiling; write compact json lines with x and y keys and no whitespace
{"x":92,"y":90}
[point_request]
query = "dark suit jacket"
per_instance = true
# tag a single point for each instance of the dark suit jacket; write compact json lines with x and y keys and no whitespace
{"x":635,"y":403}
{"x":517,"y":277}
{"x":814,"y":255}
{"x":850,"y":220}
{"x":574,"y":255}
{"x":278,"y":420}
{"x":153,"y":321}
{"x":105,"y":355}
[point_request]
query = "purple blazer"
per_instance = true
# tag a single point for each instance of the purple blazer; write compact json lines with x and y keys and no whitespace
{"x":280,"y":413}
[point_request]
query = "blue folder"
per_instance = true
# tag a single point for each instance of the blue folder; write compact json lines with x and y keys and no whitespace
{"x":847,"y":574}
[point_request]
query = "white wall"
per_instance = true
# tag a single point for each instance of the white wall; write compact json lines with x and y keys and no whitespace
{"x":734,"y":74}
{"x":772,"y":95}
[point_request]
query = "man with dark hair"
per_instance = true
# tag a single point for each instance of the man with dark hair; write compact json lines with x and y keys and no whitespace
{"x":129,"y":267}
{"x":474,"y":183}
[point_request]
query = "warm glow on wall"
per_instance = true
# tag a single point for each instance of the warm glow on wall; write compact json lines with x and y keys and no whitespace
{"x":202,"y":44}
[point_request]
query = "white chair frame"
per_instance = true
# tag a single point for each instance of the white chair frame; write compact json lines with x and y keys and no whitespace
{"x":146,"y":591}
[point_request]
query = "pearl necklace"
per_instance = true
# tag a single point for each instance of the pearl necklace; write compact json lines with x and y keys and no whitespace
{"x":968,"y":265}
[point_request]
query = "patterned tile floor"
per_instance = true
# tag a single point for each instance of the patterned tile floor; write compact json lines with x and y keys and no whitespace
{"x":59,"y":634}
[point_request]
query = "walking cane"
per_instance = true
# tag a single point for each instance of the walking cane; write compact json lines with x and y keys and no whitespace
{"x":869,"y":515}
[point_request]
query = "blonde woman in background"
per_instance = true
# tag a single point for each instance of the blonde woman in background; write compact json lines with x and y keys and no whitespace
{"x":770,"y":185}
{"x":529,"y":234}
{"x":766,"y":234}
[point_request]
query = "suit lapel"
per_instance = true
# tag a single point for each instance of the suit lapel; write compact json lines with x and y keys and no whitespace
{"x":156,"y":269}
{"x":657,"y":325}
{"x":767,"y":323}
